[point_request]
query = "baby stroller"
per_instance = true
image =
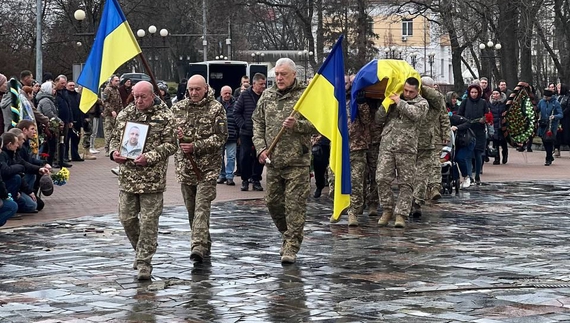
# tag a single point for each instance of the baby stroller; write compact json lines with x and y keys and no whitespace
{"x":449,"y":171}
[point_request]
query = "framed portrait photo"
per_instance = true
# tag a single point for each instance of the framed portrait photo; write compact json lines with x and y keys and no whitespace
{"x":134,"y":139}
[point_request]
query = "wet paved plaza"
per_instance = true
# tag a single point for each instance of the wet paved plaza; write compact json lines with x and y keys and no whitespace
{"x":497,"y":253}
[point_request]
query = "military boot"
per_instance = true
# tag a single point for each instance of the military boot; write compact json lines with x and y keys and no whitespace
{"x":87,"y":155}
{"x":352,"y":220}
{"x":373,"y":209}
{"x":400,"y":221}
{"x":145,"y":272}
{"x":385,"y":218}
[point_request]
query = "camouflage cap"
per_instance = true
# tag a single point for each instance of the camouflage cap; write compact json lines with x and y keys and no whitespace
{"x":46,"y":185}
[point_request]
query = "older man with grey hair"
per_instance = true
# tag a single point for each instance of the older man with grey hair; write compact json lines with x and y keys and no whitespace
{"x":288,"y":172}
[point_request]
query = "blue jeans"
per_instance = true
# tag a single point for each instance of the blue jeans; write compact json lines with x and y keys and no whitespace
{"x":229,"y":149}
{"x":463,"y":158}
{"x":25,"y":202}
{"x":8,"y":209}
{"x":478,"y":155}
{"x":30,"y":179}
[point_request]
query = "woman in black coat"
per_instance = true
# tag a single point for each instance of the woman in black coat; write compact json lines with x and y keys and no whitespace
{"x":474,"y":109}
{"x":497,"y":106}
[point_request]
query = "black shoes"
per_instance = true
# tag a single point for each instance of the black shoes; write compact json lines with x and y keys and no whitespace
{"x":549,"y":161}
{"x":497,"y":162}
{"x":244,"y":186}
{"x":221,"y":180}
{"x":317,"y":193}
{"x":229,"y":182}
{"x":257,"y":186}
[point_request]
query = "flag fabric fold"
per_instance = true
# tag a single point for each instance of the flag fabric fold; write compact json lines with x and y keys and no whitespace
{"x":394,"y":71}
{"x":324,"y":104}
{"x":114,"y":45}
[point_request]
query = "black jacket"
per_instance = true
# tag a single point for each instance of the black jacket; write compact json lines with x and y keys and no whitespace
{"x":243,"y":110}
{"x":233,"y":130}
{"x":74,"y":98}
{"x":63,"y":108}
{"x":474,"y":110}
{"x":497,"y":108}
{"x":11,"y":164}
{"x":26,"y":154}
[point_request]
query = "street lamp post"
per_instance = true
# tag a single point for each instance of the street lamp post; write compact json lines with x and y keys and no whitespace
{"x":490,"y":48}
{"x":393,"y":52}
{"x":414,"y":60}
{"x":152,"y":30}
{"x":305,"y":55}
{"x":431,"y":60}
{"x":257,"y":57}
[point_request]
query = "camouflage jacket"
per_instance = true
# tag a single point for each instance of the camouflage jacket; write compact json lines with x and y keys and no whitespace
{"x":375,"y":126}
{"x":401,"y":125}
{"x":159,"y":145}
{"x":111,"y":101}
{"x":204,"y":124}
{"x":436,"y":119}
{"x":294,"y":147}
{"x":359,"y":129}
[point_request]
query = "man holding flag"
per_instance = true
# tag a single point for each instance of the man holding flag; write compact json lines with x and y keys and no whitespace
{"x":323,"y":108}
{"x":288,"y":183}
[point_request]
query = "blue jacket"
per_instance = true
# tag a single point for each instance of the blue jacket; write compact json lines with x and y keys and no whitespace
{"x":546,"y":109}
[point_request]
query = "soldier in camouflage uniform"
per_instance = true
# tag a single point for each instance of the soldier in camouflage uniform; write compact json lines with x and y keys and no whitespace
{"x":202,"y":131}
{"x":398,"y":149}
{"x":442,"y":129}
{"x":372,"y":160}
{"x":359,"y":141}
{"x":288,"y":172}
{"x":427,"y":143}
{"x":142,"y":180}
{"x":112,"y":105}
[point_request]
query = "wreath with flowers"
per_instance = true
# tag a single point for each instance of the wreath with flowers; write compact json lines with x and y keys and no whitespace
{"x":60,"y":178}
{"x":520,"y":120}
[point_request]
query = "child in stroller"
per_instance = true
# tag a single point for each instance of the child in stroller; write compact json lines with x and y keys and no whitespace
{"x":449,"y":171}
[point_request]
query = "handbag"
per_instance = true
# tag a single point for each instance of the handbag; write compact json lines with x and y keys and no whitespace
{"x":549,"y":135}
{"x":464,"y":138}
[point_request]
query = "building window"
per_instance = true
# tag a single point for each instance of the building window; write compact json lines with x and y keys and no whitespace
{"x":407,"y":27}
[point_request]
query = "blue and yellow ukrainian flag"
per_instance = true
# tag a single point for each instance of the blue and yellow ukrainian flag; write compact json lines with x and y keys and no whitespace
{"x":324,"y":104}
{"x":114,"y":45}
{"x":394,"y":72}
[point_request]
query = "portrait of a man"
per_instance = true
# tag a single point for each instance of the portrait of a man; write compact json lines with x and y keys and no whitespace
{"x":133,"y":140}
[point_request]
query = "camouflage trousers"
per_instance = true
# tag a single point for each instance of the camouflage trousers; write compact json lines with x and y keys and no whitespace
{"x":405,"y":165}
{"x":424,"y":167}
{"x":108,"y":126}
{"x":198,"y":201}
{"x":87,"y":128}
{"x":286,"y":198}
{"x":358,"y":177}
{"x":139,"y":215}
{"x":434,"y":180}
{"x":372,"y":163}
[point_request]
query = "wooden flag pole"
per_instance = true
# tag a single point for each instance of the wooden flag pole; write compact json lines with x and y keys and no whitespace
{"x":276,"y":139}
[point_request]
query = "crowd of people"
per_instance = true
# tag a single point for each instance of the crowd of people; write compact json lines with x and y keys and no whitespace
{"x":42,"y":126}
{"x":213,"y":140}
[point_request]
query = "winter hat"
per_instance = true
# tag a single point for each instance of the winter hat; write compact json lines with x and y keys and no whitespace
{"x":547,"y":92}
{"x":46,"y":185}
{"x":3,"y":79}
{"x":47,"y":87}
{"x":497,"y":90}
{"x":47,"y":77}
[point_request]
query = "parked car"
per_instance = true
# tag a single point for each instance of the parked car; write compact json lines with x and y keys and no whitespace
{"x":135,"y":77}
